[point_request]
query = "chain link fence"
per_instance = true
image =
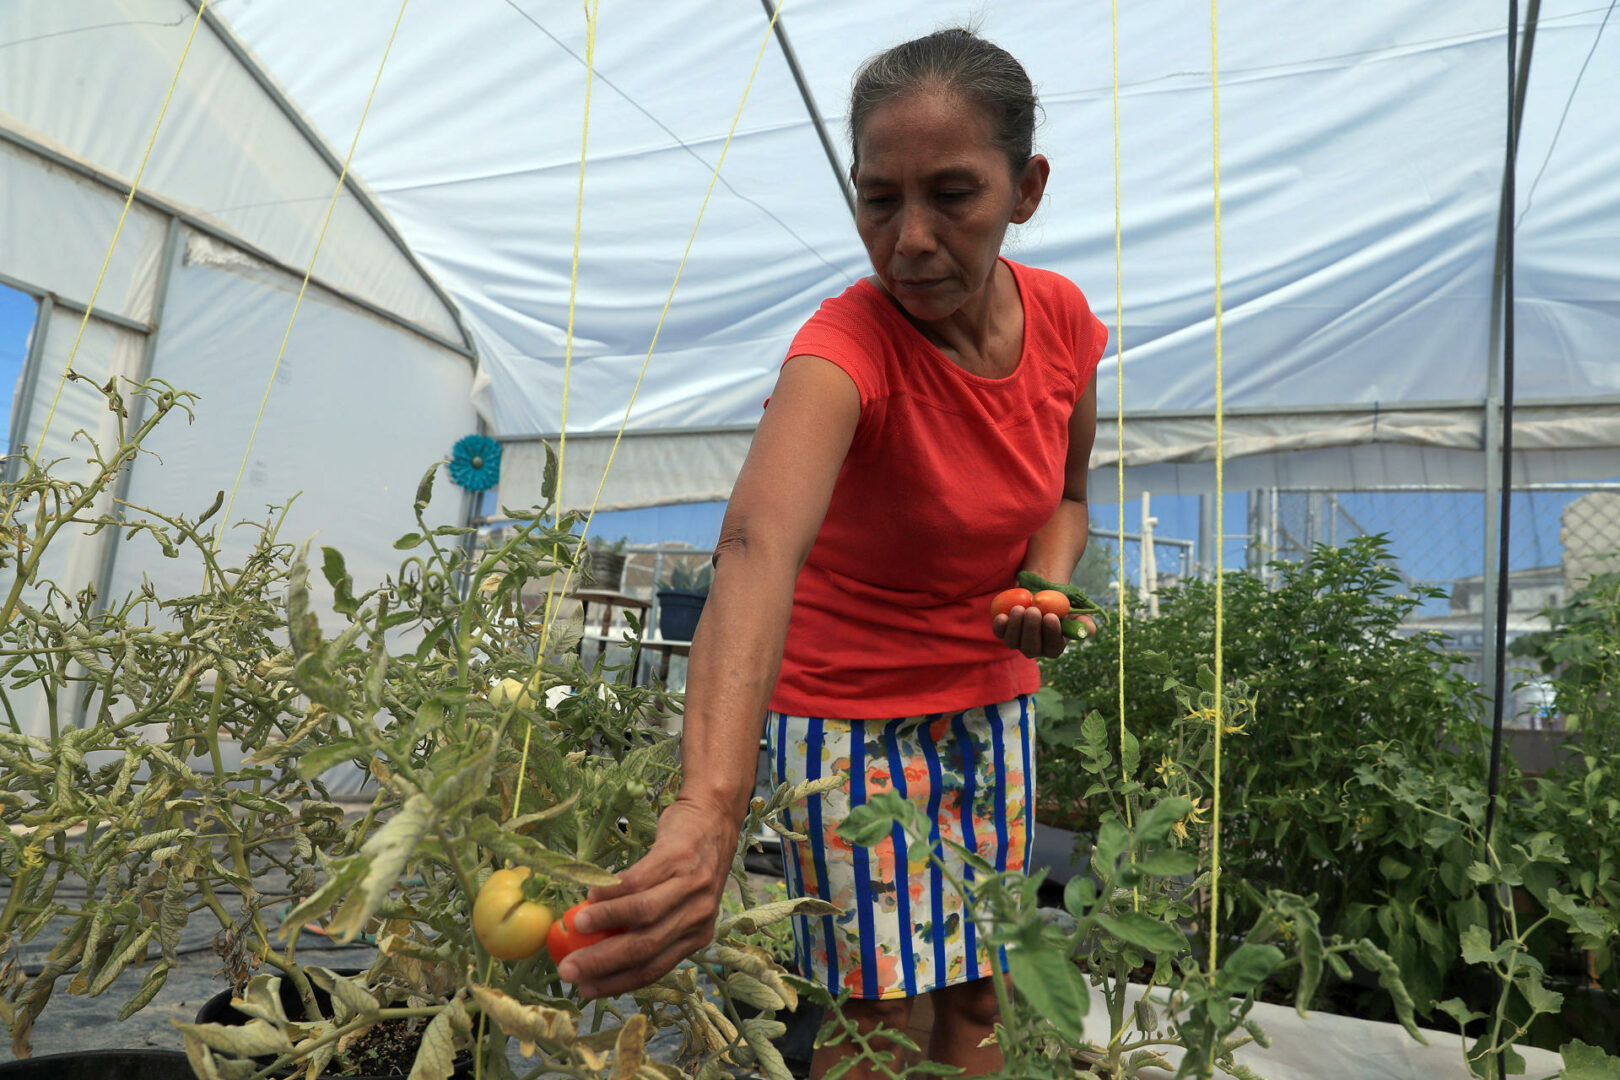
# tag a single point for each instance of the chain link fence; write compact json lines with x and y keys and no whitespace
{"x":1559,"y":536}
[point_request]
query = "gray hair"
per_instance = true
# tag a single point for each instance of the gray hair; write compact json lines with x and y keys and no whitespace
{"x":959,"y":60}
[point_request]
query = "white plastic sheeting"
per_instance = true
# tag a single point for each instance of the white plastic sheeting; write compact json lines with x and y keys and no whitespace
{"x":359,"y":410}
{"x":91,"y":76}
{"x":1361,"y":170}
{"x":1327,"y":1045}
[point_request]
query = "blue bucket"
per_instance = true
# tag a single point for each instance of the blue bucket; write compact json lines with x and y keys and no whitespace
{"x":678,"y":613}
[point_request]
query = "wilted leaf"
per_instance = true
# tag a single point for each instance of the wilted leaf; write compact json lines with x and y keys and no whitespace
{"x":252,"y":1039}
{"x":384,"y":855}
{"x":436,"y":1059}
{"x":750,"y":921}
{"x":349,"y":998}
{"x":630,"y":1048}
{"x":529,"y":1024}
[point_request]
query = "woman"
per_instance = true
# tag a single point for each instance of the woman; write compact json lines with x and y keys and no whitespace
{"x":928,"y":438}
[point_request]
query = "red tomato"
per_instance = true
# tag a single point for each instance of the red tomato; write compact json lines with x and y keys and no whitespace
{"x":1052,"y":602}
{"x":1007,"y":600}
{"x":563,"y":938}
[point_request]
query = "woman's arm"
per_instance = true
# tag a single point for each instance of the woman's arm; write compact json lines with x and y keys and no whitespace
{"x":1055,"y":549}
{"x":667,"y":901}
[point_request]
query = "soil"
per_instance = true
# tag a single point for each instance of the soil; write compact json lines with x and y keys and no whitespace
{"x":388,"y":1049}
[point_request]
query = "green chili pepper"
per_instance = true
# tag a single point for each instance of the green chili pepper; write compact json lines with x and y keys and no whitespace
{"x":1079,"y":602}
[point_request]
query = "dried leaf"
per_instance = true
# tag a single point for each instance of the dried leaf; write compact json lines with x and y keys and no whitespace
{"x":529,"y":1024}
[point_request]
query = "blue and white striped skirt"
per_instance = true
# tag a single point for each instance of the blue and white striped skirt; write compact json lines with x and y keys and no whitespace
{"x":902,"y":930}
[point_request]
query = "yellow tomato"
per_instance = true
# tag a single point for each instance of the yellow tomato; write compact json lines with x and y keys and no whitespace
{"x":509,"y":690}
{"x":508,"y":926}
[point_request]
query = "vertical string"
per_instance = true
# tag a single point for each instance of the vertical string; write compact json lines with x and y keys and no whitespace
{"x":1119,"y":426}
{"x":568,"y":371}
{"x":568,"y":578}
{"x":303,"y":286}
{"x":1220,"y":492}
{"x":90,"y":306}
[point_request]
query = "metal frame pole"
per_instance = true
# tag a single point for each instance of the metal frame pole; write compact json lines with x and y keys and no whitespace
{"x":810,"y":105}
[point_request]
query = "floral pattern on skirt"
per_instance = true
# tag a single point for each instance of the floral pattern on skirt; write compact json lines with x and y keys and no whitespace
{"x":901,"y":931}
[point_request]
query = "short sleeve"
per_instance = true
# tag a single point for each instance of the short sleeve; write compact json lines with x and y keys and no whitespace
{"x":844,"y":334}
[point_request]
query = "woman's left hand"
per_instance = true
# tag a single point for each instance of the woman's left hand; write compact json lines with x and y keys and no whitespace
{"x":1035,"y":633}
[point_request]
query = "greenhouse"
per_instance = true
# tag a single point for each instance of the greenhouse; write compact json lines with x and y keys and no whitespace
{"x":383,"y":372}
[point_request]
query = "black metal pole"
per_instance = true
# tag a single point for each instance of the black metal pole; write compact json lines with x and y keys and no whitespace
{"x":810,"y":105}
{"x":1518,"y":79}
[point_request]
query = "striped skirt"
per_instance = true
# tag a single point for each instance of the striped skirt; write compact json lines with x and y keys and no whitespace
{"x":902,"y":930}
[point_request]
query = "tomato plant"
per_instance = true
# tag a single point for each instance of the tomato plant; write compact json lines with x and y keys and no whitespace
{"x":1052,"y":602}
{"x":1008,"y":599}
{"x":564,"y":937}
{"x":508,"y":926}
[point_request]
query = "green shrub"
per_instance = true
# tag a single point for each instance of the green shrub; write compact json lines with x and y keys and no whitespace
{"x":1331,"y":671}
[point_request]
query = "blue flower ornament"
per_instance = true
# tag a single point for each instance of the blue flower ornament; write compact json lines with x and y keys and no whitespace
{"x":475,"y":462}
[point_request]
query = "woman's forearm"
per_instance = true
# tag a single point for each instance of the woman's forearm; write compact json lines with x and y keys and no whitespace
{"x":1055,"y":549}
{"x":736,"y":654}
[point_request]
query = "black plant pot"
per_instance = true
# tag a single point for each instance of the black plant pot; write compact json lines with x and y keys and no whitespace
{"x":678,"y":613}
{"x":219,"y":1010}
{"x":102,"y":1065}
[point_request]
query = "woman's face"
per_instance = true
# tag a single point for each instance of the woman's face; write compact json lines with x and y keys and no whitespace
{"x":934,"y":196}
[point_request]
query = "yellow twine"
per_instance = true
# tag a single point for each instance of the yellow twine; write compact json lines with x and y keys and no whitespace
{"x":668,"y":300}
{"x":33,"y":461}
{"x":1220,"y":492}
{"x":568,"y":368}
{"x":1119,"y":425}
{"x":309,"y":270}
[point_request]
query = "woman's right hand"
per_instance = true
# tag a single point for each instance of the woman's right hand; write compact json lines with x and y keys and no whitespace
{"x":1035,"y":633}
{"x":666,"y":904}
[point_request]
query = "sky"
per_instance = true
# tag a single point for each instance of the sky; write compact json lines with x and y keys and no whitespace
{"x":17,"y":312}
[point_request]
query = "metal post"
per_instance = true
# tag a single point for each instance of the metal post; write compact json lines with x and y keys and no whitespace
{"x":1148,"y":564}
{"x":137,"y":413}
{"x":810,"y":105}
{"x":1206,"y":536}
{"x":30,"y":386}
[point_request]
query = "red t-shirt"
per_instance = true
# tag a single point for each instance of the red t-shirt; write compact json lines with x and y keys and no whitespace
{"x":948,"y":476}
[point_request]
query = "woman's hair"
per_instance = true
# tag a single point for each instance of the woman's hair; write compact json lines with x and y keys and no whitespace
{"x":959,"y":60}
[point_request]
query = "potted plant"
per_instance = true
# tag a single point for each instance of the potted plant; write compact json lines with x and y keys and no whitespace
{"x":607,"y":559}
{"x":491,"y":747}
{"x":680,"y":601}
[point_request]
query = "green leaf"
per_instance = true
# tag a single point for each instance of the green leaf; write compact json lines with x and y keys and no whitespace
{"x":337,"y":575}
{"x":1392,"y":868}
{"x":1476,"y":946}
{"x":1459,"y":1011}
{"x":408,"y":541}
{"x":1583,"y":1062}
{"x":1248,"y":967}
{"x":424,"y":488}
{"x":1537,"y":996}
{"x":1054,"y":987}
{"x":1144,"y":931}
{"x":1389,"y":977}
{"x":1130,"y":754}
{"x":548,"y":478}
{"x":1079,"y":895}
{"x":1168,"y":862}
